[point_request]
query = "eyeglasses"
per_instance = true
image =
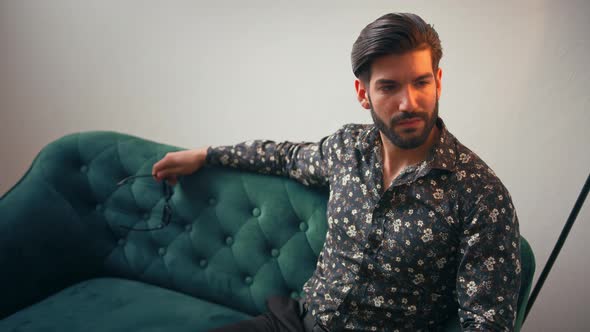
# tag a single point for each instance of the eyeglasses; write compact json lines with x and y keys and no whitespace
{"x":167,"y":210}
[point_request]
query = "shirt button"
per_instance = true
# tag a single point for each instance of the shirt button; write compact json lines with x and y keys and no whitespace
{"x":188,"y":227}
{"x":303,"y":227}
{"x":146,"y":216}
{"x":203,"y":263}
{"x":212,"y":201}
{"x":248,"y":280}
{"x":256,"y":212}
{"x":84,"y":169}
{"x":162,"y":251}
{"x":229,"y":240}
{"x":99,"y":207}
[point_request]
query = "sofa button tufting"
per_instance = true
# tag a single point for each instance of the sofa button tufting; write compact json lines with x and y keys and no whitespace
{"x":121,"y":242}
{"x":274,"y":252}
{"x":248,"y":280}
{"x":212,"y":201}
{"x":145,"y":216}
{"x":203,"y":263}
{"x":303,"y":227}
{"x":84,"y":169}
{"x":188,"y":227}
{"x":162,"y":251}
{"x":99,"y":207}
{"x":229,"y":240}
{"x":256,"y":212}
{"x":294,"y":295}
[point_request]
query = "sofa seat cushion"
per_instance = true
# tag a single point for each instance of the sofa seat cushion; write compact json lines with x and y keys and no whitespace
{"x":112,"y":304}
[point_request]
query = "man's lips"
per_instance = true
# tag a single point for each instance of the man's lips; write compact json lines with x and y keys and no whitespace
{"x":409,"y":122}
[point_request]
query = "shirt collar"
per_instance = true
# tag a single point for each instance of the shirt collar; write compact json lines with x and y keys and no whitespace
{"x":442,"y":155}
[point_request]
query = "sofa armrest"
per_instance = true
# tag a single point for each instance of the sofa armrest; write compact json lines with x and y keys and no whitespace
{"x":53,"y":229}
{"x":40,"y":250}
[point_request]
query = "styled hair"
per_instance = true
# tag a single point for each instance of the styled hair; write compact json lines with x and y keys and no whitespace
{"x":394,"y":33}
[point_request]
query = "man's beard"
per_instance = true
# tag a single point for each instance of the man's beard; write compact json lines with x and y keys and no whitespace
{"x":414,"y":140}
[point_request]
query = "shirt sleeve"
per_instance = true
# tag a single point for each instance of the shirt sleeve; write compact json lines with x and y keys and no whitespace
{"x":306,"y":162}
{"x":488,"y":276}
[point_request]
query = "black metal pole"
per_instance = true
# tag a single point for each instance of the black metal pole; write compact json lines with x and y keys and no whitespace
{"x":566,"y":229}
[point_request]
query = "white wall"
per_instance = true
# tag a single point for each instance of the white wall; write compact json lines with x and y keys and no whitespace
{"x":191,"y":73}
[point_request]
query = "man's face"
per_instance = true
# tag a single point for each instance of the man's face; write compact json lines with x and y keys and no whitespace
{"x":403,"y":97}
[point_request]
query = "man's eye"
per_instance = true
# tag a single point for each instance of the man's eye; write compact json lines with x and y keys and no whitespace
{"x":386,"y":88}
{"x":422,"y":83}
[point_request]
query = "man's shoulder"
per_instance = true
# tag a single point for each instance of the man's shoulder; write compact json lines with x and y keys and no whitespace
{"x":353,"y":132}
{"x":480,"y":190}
{"x":475,"y":173}
{"x":356,"y":129}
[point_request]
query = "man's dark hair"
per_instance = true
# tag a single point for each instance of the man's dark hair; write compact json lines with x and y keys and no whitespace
{"x":394,"y":33}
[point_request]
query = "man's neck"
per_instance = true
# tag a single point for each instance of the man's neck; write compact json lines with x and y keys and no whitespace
{"x":396,"y":159}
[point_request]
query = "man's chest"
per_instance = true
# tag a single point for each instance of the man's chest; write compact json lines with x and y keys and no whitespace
{"x":414,"y":225}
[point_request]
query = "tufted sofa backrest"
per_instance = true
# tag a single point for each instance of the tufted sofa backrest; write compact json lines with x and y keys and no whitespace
{"x":235,"y":237}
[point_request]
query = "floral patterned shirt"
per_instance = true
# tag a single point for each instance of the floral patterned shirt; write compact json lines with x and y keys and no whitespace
{"x":442,"y":237}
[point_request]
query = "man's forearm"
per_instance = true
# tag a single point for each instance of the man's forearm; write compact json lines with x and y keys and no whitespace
{"x":301,"y":161}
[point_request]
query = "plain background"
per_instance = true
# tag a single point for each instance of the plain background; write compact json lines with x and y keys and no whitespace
{"x":195,"y":73}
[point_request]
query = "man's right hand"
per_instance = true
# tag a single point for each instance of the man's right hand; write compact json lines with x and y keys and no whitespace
{"x":179,"y":163}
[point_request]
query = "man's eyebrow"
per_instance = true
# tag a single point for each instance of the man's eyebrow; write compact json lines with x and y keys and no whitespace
{"x":424,"y":76}
{"x":388,"y":81}
{"x":385,"y":81}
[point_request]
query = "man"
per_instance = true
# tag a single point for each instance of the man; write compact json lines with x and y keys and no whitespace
{"x":419,"y":225}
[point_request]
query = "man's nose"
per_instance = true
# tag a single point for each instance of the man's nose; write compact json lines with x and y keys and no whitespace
{"x":407,"y":101}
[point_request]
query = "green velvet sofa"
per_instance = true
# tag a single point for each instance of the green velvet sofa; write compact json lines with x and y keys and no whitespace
{"x":235,"y":238}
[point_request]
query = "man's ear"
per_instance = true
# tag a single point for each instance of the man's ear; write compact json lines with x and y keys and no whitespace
{"x":362,"y":94}
{"x":438,"y":81}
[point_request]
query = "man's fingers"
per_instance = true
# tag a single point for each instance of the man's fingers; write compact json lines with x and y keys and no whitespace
{"x":167,"y":173}
{"x":169,"y":160}
{"x":174,"y":164}
{"x":172,"y":180}
{"x":159,"y":166}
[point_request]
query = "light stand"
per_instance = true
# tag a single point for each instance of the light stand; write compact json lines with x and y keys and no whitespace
{"x":562,"y":237}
